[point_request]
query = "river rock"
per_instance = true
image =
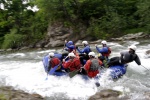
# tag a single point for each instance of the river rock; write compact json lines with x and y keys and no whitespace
{"x":79,"y":43}
{"x":130,"y":36}
{"x":148,"y":52}
{"x":24,"y":48}
{"x":147,"y":95}
{"x":2,"y":50}
{"x":9,"y":93}
{"x":57,"y":34}
{"x":107,"y":94}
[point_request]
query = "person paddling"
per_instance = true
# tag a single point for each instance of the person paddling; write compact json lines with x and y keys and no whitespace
{"x":70,"y":47}
{"x":92,"y":65}
{"x":105,"y":51}
{"x":84,"y":52}
{"x":53,"y":61}
{"x":126,"y":57}
{"x":72,"y":64}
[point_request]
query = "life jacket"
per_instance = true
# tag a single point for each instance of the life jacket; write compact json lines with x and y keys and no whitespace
{"x":54,"y":61}
{"x":89,"y":50}
{"x":108,"y":53}
{"x":132,"y":58}
{"x":94,"y":65}
{"x":75,"y":64}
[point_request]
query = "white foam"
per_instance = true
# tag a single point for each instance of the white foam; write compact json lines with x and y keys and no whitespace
{"x":29,"y":76}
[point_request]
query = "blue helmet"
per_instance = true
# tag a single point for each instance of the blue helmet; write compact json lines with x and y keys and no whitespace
{"x":70,"y":42}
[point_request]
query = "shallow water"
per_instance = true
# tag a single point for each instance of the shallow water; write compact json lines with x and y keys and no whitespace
{"x":24,"y":70}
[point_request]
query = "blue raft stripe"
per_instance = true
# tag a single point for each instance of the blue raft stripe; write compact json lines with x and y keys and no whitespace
{"x":46,"y":62}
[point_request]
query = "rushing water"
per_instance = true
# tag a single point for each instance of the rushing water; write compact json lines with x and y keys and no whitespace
{"x":24,"y":70}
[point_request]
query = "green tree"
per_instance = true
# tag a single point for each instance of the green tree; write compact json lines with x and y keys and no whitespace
{"x":16,"y":16}
{"x":144,"y":14}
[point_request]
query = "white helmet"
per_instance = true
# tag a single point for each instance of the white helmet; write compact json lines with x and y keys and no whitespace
{"x":71,"y":54}
{"x":133,"y":47}
{"x":92,"y":54}
{"x":51,"y":54}
{"x":84,"y":42}
{"x":104,"y":42}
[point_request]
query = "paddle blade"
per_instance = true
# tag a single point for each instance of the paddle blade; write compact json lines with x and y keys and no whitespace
{"x":46,"y":78}
{"x":53,"y":70}
{"x":73,"y":73}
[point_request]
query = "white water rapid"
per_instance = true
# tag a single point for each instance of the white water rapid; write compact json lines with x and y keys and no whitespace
{"x":24,"y":70}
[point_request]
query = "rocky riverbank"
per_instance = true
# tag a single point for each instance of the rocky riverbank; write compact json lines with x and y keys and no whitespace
{"x":56,"y":38}
{"x":9,"y":93}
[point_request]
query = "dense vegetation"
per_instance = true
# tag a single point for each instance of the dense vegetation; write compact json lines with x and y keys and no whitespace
{"x":102,"y":18}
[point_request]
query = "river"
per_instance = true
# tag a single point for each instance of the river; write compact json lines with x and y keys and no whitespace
{"x":24,"y":70}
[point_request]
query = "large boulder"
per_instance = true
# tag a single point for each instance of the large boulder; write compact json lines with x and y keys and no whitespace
{"x":131,"y":36}
{"x":57,"y":34}
{"x":147,"y":95}
{"x":9,"y":93}
{"x":148,"y":52}
{"x":107,"y":94}
{"x":55,"y":43}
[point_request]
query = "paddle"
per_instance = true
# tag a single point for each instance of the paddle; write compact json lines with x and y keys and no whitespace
{"x":73,"y":73}
{"x":45,"y":63}
{"x":47,"y":77}
{"x":55,"y":68}
{"x":52,"y":71}
{"x":145,"y":67}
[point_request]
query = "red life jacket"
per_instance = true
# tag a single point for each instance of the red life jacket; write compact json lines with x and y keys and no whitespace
{"x":108,"y":53}
{"x":54,"y":61}
{"x":73,"y":64}
{"x":92,"y":66}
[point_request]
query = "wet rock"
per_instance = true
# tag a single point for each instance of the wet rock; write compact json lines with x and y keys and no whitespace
{"x":147,"y":95}
{"x":9,"y":93}
{"x":79,"y":43}
{"x":97,"y":41}
{"x":148,"y":52}
{"x":40,"y":44}
{"x":56,"y":35}
{"x":24,"y":48}
{"x":107,"y":94}
{"x":2,"y":50}
{"x":131,"y":36}
{"x":55,"y":43}
{"x":9,"y":49}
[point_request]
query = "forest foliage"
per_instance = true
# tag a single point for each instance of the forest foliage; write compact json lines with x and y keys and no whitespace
{"x":20,"y":26}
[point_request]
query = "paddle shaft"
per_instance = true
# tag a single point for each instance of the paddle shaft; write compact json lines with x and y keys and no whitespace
{"x":47,"y":77}
{"x":145,"y":67}
{"x":73,"y":73}
{"x":55,"y":68}
{"x":52,"y":71}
